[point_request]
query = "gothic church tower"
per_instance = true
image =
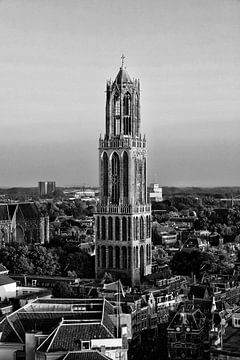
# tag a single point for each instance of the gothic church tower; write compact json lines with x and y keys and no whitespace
{"x":123,"y":217}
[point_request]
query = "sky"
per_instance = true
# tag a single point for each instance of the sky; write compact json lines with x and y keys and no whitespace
{"x":55,"y":58}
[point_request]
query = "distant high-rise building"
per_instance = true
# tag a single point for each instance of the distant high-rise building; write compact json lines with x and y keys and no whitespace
{"x":123,"y":217}
{"x":155,"y":193}
{"x":46,"y":187}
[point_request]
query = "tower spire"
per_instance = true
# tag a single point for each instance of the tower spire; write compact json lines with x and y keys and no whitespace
{"x":123,"y":58}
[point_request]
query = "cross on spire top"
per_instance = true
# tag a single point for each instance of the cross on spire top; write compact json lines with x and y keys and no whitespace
{"x":123,"y":58}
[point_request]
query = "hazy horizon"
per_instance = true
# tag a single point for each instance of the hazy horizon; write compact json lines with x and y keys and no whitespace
{"x":55,"y":58}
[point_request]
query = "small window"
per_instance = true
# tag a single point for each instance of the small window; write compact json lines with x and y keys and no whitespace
{"x":85,"y":345}
{"x":34,"y":282}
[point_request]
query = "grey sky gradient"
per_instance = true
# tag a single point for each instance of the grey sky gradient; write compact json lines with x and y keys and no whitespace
{"x":55,"y":57}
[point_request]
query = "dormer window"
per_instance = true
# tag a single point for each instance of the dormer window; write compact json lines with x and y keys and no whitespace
{"x":85,"y":345}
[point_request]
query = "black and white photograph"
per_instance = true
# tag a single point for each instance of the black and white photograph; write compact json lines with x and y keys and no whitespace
{"x":119,"y":180}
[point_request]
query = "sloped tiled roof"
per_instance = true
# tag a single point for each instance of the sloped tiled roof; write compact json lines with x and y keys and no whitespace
{"x":3,"y":268}
{"x":68,"y":336}
{"x":85,"y":355}
{"x":192,"y":317}
{"x":5,"y":279}
{"x":8,"y":332}
{"x":29,"y":210}
{"x":108,"y":309}
{"x":46,"y":314}
{"x":123,"y":77}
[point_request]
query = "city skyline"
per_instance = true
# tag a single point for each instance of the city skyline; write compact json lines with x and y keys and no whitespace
{"x":56,"y":57}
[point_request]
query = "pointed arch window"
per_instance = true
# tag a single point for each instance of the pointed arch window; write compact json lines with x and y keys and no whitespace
{"x":125,"y":176}
{"x":124,"y":229}
{"x":117,"y":106}
{"x":129,"y":228}
{"x":110,"y":228}
{"x":110,"y":256}
{"x":103,"y":256}
{"x":117,"y":229}
{"x":127,"y":104}
{"x":124,"y":257}
{"x":127,"y":114}
{"x":129,"y":258}
{"x":117,"y":113}
{"x":136,"y":256}
{"x":141,"y":228}
{"x":117,"y":256}
{"x":105,"y":174}
{"x":98,"y":227}
{"x":98,"y":256}
{"x":103,"y":228}
{"x":115,"y":179}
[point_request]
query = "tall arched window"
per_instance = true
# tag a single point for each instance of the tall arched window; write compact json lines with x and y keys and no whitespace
{"x":117,"y":113}
{"x":134,"y":228}
{"x":125,"y":176}
{"x":117,"y":255}
{"x":105,"y":174}
{"x":129,"y":228}
{"x":103,"y":228}
{"x":141,"y":228}
{"x":110,"y":256}
{"x":124,"y":257}
{"x":117,"y":229}
{"x":103,"y":256}
{"x":127,"y":114}
{"x":149,"y":226}
{"x":110,"y":228}
{"x":124,"y":229}
{"x":115,"y":179}
{"x":98,"y":227}
{"x":140,"y":181}
{"x":144,"y":180}
{"x":147,"y":253}
{"x":129,"y":258}
{"x":98,"y":256}
{"x":136,"y":256}
{"x":127,"y":104}
{"x":137,"y":229}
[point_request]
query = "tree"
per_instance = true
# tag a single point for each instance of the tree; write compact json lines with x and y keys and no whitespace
{"x":81,"y":262}
{"x":62,"y":290}
{"x":45,"y":261}
{"x":16,"y":259}
{"x":194,"y":262}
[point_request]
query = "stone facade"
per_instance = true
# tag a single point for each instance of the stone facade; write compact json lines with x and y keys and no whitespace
{"x":123,"y":217}
{"x":23,"y":223}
